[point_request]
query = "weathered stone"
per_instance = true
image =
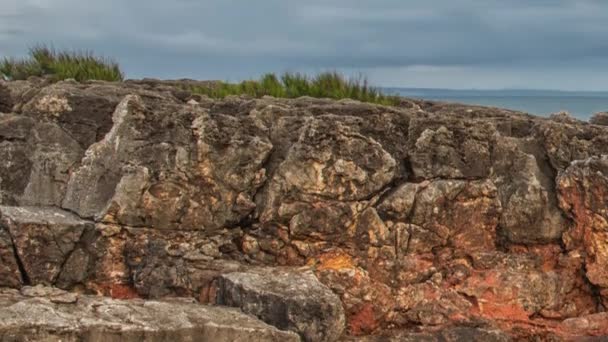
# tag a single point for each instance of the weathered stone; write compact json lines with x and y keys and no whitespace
{"x":366,"y":301}
{"x":41,"y":318}
{"x":465,"y":214}
{"x":450,"y":148}
{"x":526,"y":189}
{"x":43,"y":239}
{"x":600,"y":118}
{"x":453,"y":334}
{"x":37,"y":159}
{"x":141,"y":262}
{"x":175,"y":262}
{"x":145,"y":179}
{"x":10,"y":276}
{"x":83,"y":110}
{"x":564,"y":117}
{"x":583,"y":189}
{"x":6,"y":102}
{"x":581,"y":327}
{"x":330,"y":161}
{"x":427,"y":217}
{"x":514,"y":287}
{"x":290,"y":301}
{"x":399,"y":204}
{"x":14,"y":94}
{"x":14,"y":131}
{"x":565,"y":143}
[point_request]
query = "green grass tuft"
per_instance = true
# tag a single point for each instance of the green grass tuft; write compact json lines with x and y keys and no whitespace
{"x":60,"y":65}
{"x":82,"y":66}
{"x":291,"y":85}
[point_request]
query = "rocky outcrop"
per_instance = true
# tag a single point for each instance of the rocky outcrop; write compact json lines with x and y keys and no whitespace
{"x":330,"y":219}
{"x":43,"y":239}
{"x":287,"y":300}
{"x":600,"y":118}
{"x":47,"y":314}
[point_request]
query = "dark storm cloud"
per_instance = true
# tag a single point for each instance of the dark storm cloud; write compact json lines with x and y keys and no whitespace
{"x":237,"y":39}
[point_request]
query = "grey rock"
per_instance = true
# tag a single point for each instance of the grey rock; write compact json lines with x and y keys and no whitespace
{"x":565,"y":143}
{"x":84,"y":111}
{"x":145,"y":179}
{"x":10,"y":276}
{"x":288,"y":300}
{"x":38,"y":158}
{"x":526,"y":187}
{"x":460,"y":213}
{"x":330,"y":163}
{"x":43,"y":239}
{"x":600,"y":118}
{"x":564,"y":117}
{"x":451,"y":148}
{"x":14,"y":94}
{"x":452,"y":334}
{"x":41,"y":318}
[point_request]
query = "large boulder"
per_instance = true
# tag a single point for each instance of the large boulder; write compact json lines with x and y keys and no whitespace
{"x":36,"y":159}
{"x":43,"y":239}
{"x":84,"y":111}
{"x":47,"y":314}
{"x":526,"y":188}
{"x":288,"y":300}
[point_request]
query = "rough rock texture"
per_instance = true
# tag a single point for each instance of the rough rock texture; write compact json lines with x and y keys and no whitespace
{"x":47,"y":314}
{"x":43,"y":239}
{"x":38,"y":160}
{"x":600,"y":118}
{"x":472,"y":334}
{"x":427,"y":220}
{"x":10,"y":275}
{"x":287,"y":300}
{"x":583,"y":190}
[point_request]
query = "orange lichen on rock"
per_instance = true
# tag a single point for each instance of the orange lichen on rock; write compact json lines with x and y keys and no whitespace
{"x":335,"y":260}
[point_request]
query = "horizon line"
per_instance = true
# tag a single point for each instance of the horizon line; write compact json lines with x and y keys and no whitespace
{"x":497,"y":89}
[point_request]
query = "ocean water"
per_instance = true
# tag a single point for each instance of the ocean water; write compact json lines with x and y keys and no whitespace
{"x":581,"y":104}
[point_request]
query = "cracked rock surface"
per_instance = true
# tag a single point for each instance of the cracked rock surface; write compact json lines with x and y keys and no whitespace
{"x":325,"y":219}
{"x":47,"y":314}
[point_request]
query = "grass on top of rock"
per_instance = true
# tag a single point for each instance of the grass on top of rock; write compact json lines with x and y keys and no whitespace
{"x":60,"y":65}
{"x":292,"y":85}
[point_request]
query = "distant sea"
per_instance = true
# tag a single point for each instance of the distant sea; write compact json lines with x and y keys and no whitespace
{"x":581,"y":104}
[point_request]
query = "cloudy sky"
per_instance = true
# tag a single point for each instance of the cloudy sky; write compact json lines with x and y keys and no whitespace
{"x":464,"y":44}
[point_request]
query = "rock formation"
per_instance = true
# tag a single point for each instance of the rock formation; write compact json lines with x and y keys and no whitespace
{"x":316,"y":220}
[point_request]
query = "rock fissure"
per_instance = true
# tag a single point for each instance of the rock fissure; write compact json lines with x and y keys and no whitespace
{"x":24,"y":276}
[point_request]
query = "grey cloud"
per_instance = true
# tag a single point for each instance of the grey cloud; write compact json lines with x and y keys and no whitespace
{"x":239,"y":39}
